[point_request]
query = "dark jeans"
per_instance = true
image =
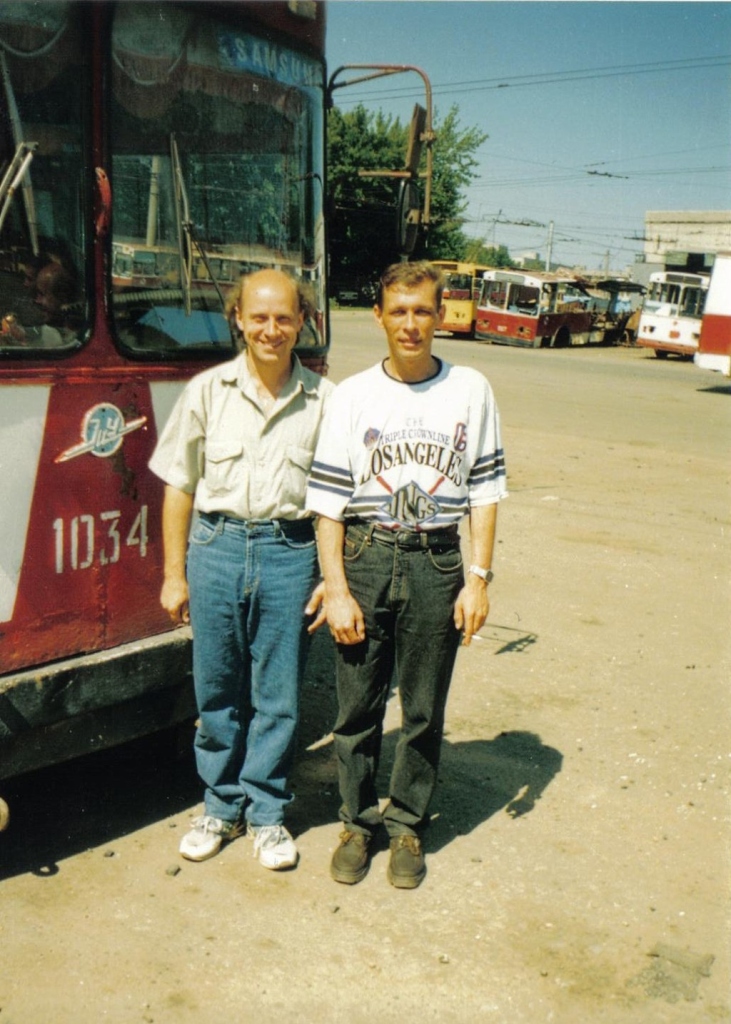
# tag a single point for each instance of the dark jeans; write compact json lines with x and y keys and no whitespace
{"x":406,"y":585}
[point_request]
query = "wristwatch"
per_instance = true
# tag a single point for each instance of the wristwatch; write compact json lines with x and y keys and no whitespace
{"x":484,"y":574}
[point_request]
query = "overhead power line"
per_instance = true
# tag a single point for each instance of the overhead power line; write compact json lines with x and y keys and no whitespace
{"x":550,"y":78}
{"x":579,"y":175}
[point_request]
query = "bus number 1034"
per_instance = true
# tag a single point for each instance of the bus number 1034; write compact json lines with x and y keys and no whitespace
{"x":86,"y":538}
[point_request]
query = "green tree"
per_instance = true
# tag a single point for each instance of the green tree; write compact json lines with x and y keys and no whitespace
{"x":488,"y":255}
{"x":455,"y":166}
{"x":362,"y":219}
{"x":362,"y":228}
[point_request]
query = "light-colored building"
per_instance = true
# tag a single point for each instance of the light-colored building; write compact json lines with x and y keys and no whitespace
{"x":671,"y":235}
{"x":682,"y":240}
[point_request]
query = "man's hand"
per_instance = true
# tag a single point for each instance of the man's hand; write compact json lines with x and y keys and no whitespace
{"x":174,"y":598}
{"x":345,"y":618}
{"x":343,"y":613}
{"x":177,"y":508}
{"x":316,"y":606}
{"x":471,"y":608}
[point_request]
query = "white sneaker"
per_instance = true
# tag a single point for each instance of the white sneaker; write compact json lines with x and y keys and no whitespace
{"x":274,"y":846}
{"x":206,"y":836}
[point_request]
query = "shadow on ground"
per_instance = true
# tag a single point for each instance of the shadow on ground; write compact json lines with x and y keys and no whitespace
{"x":60,"y":811}
{"x":479,"y":778}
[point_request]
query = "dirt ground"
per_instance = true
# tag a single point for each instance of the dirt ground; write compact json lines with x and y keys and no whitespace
{"x":578,"y":856}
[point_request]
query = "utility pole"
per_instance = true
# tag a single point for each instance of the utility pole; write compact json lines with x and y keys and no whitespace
{"x":549,"y":246}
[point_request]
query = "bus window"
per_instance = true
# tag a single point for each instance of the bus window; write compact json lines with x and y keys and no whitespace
{"x":668,"y":299}
{"x":217,"y":170}
{"x":495,"y":294}
{"x":524,"y":299}
{"x":42,"y":297}
{"x":458,"y":286}
{"x":570,"y":298}
{"x":548,"y":294}
{"x":693,"y":301}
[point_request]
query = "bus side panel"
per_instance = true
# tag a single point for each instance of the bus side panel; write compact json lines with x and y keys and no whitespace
{"x":669,"y":334}
{"x":457,"y":311}
{"x":716,"y":334}
{"x":493,"y":325}
{"x":22,"y":425}
{"x":92,"y":563}
{"x":68,"y":708}
{"x":570,"y":328}
{"x":457,"y":316}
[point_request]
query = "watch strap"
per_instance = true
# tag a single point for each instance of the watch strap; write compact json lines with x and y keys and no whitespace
{"x":485,"y":574}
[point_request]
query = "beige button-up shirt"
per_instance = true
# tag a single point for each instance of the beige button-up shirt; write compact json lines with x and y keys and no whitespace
{"x":236,"y":457}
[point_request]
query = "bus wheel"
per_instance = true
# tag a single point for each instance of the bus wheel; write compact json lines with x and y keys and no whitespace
{"x":661,"y":353}
{"x":4,"y":815}
{"x":562,"y":338}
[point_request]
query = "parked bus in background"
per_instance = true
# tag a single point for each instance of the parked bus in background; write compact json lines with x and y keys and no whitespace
{"x":714,"y":346}
{"x":672,"y":310}
{"x":534,"y":310}
{"x":461,"y":292}
{"x":151,"y":153}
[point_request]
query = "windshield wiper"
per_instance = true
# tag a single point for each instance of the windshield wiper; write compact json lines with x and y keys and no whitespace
{"x":12,"y":178}
{"x":182,"y":216}
{"x":24,"y":154}
{"x":186,"y":234}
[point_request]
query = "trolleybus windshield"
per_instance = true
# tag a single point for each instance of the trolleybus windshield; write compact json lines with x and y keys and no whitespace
{"x":671,"y":298}
{"x":43,"y":70}
{"x":217,"y":170}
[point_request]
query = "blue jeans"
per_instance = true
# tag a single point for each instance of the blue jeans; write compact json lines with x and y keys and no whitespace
{"x":249,"y":584}
{"x":406,"y":585}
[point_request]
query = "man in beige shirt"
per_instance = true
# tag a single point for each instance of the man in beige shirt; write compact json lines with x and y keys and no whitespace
{"x":237,"y":449}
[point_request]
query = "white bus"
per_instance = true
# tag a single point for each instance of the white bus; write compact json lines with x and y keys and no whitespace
{"x":672,"y":312}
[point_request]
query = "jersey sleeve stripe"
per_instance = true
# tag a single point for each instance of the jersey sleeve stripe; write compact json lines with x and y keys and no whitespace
{"x":341,"y":492}
{"x":334,"y":475}
{"x":490,"y":468}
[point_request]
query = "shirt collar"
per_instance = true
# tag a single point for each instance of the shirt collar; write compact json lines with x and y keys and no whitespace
{"x":236,"y":371}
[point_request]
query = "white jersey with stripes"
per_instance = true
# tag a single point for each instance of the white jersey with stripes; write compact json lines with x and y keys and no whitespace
{"x":408,"y":456}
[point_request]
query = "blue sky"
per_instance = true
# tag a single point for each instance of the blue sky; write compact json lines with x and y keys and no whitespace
{"x":596,"y":112}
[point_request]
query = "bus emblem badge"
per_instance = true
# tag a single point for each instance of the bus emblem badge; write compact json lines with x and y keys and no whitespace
{"x":102,"y":431}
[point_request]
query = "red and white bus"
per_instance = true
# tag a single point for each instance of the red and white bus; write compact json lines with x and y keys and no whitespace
{"x":714,"y":345}
{"x":672,"y":310}
{"x":150,"y":153}
{"x":535,"y":310}
{"x":461,"y":292}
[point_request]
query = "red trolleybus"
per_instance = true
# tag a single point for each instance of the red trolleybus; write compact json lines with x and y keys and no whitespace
{"x":714,"y":346}
{"x":149,"y":153}
{"x":462,"y":289}
{"x":672,"y":311}
{"x":533,"y":309}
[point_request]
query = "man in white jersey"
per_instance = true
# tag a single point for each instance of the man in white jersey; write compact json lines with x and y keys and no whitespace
{"x":407,"y":449}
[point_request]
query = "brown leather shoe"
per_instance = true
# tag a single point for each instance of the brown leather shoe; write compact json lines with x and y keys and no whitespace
{"x":406,"y":868}
{"x":351,"y":860}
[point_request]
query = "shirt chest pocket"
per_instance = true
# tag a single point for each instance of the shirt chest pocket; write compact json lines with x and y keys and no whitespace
{"x":223,"y":465}
{"x":297,"y":468}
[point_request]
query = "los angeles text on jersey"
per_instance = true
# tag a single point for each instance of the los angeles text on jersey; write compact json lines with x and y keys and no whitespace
{"x":439,"y":457}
